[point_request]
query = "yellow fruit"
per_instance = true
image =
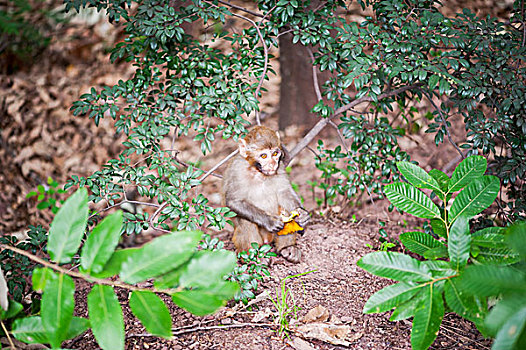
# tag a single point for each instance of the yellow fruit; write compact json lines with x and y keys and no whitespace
{"x":291,"y":226}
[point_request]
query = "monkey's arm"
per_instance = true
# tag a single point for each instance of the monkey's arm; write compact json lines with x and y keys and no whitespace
{"x":289,"y":200}
{"x":250,"y":212}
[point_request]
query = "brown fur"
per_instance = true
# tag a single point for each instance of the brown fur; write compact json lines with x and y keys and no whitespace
{"x":256,"y":198}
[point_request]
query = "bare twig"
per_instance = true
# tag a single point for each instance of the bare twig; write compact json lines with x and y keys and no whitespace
{"x":439,"y":110}
{"x":241,"y":9}
{"x":322,"y":123}
{"x":186,"y":165}
{"x":88,"y":278}
{"x":342,"y":139}
{"x":227,"y":158}
{"x":315,"y":76}
{"x":124,"y":202}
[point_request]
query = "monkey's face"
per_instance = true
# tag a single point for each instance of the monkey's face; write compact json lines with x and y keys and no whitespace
{"x":267,"y":161}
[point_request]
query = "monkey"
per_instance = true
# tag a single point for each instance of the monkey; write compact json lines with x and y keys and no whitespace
{"x":257,"y":189}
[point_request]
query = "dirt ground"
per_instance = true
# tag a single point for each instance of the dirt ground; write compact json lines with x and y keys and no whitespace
{"x":39,"y":137}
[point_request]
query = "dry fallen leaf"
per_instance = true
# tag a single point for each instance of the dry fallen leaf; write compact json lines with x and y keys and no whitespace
{"x":329,"y":333}
{"x":316,"y":314}
{"x":300,"y":344}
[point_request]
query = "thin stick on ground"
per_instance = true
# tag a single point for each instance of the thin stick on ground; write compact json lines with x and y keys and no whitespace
{"x":12,"y":345}
{"x":178,"y":331}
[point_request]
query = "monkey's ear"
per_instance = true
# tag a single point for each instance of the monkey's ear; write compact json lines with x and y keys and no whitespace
{"x":243,"y":148}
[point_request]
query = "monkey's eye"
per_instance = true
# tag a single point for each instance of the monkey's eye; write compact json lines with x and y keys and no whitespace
{"x":264,"y":155}
{"x":275,"y":153}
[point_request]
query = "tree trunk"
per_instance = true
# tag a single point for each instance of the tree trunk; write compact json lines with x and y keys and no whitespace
{"x":297,"y":94}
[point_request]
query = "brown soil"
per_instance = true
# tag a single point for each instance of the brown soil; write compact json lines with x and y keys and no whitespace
{"x":41,"y":138}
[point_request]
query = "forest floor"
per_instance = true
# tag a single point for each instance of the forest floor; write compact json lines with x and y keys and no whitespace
{"x":40,"y":137}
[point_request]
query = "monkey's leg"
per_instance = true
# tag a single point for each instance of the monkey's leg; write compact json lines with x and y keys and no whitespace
{"x":286,"y":247}
{"x":245,"y":232}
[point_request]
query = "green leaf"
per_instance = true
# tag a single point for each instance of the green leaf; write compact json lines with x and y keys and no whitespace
{"x":57,"y":308}
{"x":464,"y":304}
{"x":493,"y":280}
{"x":409,"y":199}
{"x":40,"y":278}
{"x":396,"y":266}
{"x":30,"y":330}
{"x":405,"y":310}
{"x":502,"y":312}
{"x":476,"y":197}
{"x":105,"y":316}
{"x":101,"y":243}
{"x":436,"y":253}
{"x":516,"y":236}
{"x":433,"y":81}
{"x":68,"y":227}
{"x":439,"y":268}
{"x":502,"y":256}
{"x":468,"y":170}
{"x":441,"y":178}
{"x":489,"y":237}
{"x":113,"y":266}
{"x":202,"y":302}
{"x":152,"y":312}
{"x":390,"y":297}
{"x":418,"y":176}
{"x":419,"y":242}
{"x":459,"y":243}
{"x":439,"y":227}
{"x":428,"y":317}
{"x":13,"y":309}
{"x":161,"y":255}
{"x":512,"y":333}
{"x":204,"y":269}
{"x":77,"y":326}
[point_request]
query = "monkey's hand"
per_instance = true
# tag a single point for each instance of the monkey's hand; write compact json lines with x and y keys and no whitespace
{"x":273,"y":223}
{"x":303,"y":217}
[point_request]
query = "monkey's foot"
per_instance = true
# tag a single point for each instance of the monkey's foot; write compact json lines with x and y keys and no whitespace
{"x":292,"y":254}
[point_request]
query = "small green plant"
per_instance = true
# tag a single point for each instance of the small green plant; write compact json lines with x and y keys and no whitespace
{"x":193,"y":278}
{"x":285,"y":304}
{"x":384,"y":246}
{"x":48,"y":196}
{"x":253,"y":268}
{"x":424,"y":285}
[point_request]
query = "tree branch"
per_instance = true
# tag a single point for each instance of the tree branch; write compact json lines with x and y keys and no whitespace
{"x":315,"y":76}
{"x":226,"y":159}
{"x":241,"y":9}
{"x":322,"y":123}
{"x":88,"y":278}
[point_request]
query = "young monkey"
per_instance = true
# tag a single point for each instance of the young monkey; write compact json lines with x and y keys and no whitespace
{"x":256,"y":188}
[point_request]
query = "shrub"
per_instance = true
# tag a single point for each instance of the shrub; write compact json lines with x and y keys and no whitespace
{"x":425,"y":285}
{"x":193,"y":278}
